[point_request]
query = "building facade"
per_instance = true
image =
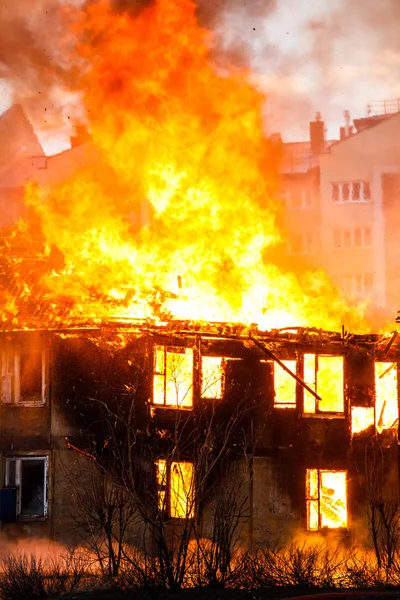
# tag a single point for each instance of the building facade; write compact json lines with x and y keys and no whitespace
{"x":301,"y":418}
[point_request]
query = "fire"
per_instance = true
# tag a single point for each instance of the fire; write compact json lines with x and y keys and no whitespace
{"x":386,"y":404}
{"x":181,"y":141}
{"x":326,"y":499}
{"x":324,"y":374}
{"x":362,"y":418}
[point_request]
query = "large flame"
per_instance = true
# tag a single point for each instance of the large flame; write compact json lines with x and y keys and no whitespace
{"x":184,"y":142}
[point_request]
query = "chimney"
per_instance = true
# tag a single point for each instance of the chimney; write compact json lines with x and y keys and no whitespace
{"x":317,"y":135}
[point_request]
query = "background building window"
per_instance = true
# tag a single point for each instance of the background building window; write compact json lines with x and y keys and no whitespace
{"x":358,"y":285}
{"x":23,"y":376}
{"x":173,"y":377}
{"x":175,"y":489}
{"x":345,"y":192}
{"x":350,"y":191}
{"x":326,"y":498}
{"x":359,"y":237}
{"x":29,"y":475}
{"x":301,"y":243}
{"x":296,"y":197}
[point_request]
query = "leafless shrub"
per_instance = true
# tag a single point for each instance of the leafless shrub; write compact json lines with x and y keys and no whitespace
{"x":104,"y":513}
{"x":26,"y":577}
{"x":383,"y":512}
{"x":216,"y":560}
{"x":362,"y":570}
{"x":305,"y":566}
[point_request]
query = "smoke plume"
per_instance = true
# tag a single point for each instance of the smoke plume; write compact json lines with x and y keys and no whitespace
{"x":304,"y":56}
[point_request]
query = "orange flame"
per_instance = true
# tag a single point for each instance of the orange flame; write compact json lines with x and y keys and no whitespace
{"x":184,"y":142}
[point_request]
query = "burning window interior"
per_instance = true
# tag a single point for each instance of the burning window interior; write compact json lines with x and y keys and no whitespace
{"x":386,"y":396}
{"x":175,"y":488}
{"x":29,"y":475}
{"x":285,"y":385}
{"x":212,"y":377}
{"x":326,"y":496}
{"x":362,"y":417}
{"x":324,"y":374}
{"x":173,"y":377}
{"x":23,"y":376}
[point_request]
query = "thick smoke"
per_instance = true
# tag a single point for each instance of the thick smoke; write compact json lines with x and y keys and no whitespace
{"x":37,"y":61}
{"x":306,"y":57}
{"x":315,"y":56}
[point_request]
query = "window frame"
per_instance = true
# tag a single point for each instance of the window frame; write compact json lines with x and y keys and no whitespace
{"x":171,"y":350}
{"x":318,"y":412}
{"x":363,"y":196}
{"x":18,"y":459}
{"x":317,"y":499}
{"x":344,"y":238}
{"x":392,"y":365}
{"x":275,"y":366}
{"x":222,"y":379}
{"x":164,"y":487}
{"x":358,"y":285}
{"x":11,"y":381}
{"x":307,"y":244}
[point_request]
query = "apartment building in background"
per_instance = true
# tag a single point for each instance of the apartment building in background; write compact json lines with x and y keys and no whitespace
{"x":341,"y":208}
{"x":360,"y":211}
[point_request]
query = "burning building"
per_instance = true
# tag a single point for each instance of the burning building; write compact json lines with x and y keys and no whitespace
{"x":308,"y":418}
{"x":134,"y":347}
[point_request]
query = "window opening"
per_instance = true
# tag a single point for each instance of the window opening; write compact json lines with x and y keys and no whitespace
{"x":362,"y":417}
{"x":326,"y":499}
{"x":173,"y":377}
{"x":29,"y":475}
{"x":284,"y":385}
{"x":351,"y":191}
{"x":324,"y":375}
{"x":23,"y":376}
{"x":175,"y":488}
{"x":212,"y":377}
{"x":386,"y":398}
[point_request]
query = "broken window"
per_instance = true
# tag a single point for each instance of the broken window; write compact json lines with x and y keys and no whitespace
{"x":324,"y":375}
{"x":23,"y":373}
{"x":173,"y":377}
{"x":386,"y":398}
{"x":28,"y":474}
{"x":212,"y":377}
{"x":362,"y":417}
{"x":284,"y":385}
{"x":326,"y":497}
{"x":175,"y":489}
